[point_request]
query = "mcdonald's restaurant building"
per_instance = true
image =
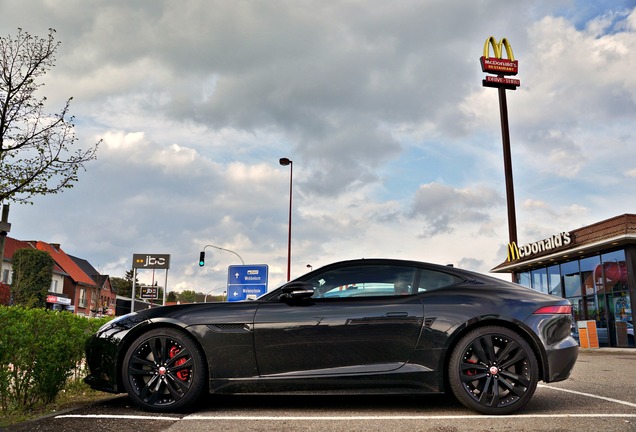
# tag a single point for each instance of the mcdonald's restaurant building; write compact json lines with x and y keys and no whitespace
{"x":594,"y":267}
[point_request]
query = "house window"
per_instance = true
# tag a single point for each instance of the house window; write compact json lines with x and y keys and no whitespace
{"x":82,"y":299}
{"x":5,"y":276}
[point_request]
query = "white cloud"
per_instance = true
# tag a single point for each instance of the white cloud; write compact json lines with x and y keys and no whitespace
{"x":396,"y":145}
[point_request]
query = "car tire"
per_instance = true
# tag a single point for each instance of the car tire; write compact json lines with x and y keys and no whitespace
{"x":493,"y":370}
{"x":164,"y":371}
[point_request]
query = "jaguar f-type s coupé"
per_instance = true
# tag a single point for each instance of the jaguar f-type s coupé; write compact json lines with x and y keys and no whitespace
{"x":362,"y":326}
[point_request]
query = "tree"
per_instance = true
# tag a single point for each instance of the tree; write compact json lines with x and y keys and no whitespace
{"x":187,"y":296}
{"x":121,"y":286}
{"x":34,"y":147}
{"x":32,"y":276}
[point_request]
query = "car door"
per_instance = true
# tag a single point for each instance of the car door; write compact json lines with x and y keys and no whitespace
{"x":361,"y":318}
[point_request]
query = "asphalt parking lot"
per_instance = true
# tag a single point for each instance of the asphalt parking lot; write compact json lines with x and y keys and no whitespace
{"x":599,"y":396}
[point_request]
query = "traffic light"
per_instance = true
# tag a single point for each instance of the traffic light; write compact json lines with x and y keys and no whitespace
{"x":202,"y":259}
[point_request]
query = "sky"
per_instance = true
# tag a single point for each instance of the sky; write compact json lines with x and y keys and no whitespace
{"x":396,"y":145}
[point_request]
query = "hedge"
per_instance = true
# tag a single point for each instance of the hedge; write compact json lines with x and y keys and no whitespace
{"x":40,"y":351}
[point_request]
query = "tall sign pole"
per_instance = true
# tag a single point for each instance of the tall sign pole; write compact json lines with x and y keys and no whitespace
{"x":510,"y":189}
{"x":503,"y":67}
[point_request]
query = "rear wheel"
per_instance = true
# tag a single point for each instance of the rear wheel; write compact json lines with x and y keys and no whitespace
{"x":493,"y":370}
{"x":164,"y":370}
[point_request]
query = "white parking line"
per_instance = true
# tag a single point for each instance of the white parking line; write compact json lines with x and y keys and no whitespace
{"x":618,"y":401}
{"x":116,"y":416}
{"x":372,"y":417}
{"x":407,"y":417}
{"x":346,"y":418}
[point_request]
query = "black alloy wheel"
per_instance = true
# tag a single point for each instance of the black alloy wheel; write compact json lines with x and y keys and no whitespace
{"x":163,"y":370}
{"x":493,"y":370}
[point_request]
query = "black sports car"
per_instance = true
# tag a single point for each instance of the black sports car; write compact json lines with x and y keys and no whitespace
{"x":369,"y":325}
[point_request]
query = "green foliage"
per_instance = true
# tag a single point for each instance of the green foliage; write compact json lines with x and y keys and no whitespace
{"x":121,"y":286}
{"x":40,"y":351}
{"x":32,"y":275}
{"x":187,"y":296}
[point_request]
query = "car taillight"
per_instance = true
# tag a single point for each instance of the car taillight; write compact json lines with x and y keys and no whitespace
{"x":556,"y":309}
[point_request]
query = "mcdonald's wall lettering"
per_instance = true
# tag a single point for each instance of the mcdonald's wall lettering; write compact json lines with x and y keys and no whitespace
{"x":499,"y":65}
{"x":517,"y":252}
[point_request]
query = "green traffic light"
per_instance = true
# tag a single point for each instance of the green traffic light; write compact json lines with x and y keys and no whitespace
{"x":202,"y":259}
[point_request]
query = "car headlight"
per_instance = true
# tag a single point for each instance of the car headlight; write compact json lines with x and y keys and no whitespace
{"x":118,"y":321}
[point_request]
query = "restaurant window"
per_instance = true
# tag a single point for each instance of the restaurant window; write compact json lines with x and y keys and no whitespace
{"x":540,"y":280}
{"x":571,"y":279}
{"x":613,"y":289}
{"x":524,"y":279}
{"x":554,"y":281}
{"x":588,"y":267}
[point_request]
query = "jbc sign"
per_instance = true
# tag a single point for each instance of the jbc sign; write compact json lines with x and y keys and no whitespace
{"x":149,"y":292}
{"x":148,"y":261}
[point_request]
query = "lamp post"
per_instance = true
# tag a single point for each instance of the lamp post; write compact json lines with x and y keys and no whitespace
{"x":202,"y":254}
{"x":285,"y":162}
{"x":205,"y":299}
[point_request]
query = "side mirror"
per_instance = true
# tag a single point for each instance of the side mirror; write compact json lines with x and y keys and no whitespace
{"x":297,"y":291}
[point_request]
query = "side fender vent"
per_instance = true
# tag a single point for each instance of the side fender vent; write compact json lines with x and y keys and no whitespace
{"x":231,"y":328}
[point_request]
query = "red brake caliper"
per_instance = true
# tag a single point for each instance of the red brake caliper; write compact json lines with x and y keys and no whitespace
{"x":182,"y":374}
{"x":470,"y":372}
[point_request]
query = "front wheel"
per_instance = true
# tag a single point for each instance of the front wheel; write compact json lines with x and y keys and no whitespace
{"x":163,"y":370}
{"x":493,"y":370}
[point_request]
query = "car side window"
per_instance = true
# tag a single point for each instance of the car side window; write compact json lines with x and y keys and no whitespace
{"x":365,"y":281}
{"x":431,"y":280}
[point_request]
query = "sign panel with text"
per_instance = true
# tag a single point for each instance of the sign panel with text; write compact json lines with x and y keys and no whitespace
{"x":151,"y":261}
{"x":246,"y":282}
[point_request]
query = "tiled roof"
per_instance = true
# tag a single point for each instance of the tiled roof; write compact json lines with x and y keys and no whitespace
{"x":87,"y":268}
{"x":66,"y":263}
{"x":11,"y":245}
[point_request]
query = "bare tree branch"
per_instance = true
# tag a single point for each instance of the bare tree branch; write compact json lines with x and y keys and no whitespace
{"x":34,"y":146}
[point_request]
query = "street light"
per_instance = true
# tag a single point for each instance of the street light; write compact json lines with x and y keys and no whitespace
{"x":285,"y":162}
{"x":205,"y":299}
{"x":202,"y":254}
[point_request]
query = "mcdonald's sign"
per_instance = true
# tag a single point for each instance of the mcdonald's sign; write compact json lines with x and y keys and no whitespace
{"x":499,"y":65}
{"x":513,"y":252}
{"x":554,"y":242}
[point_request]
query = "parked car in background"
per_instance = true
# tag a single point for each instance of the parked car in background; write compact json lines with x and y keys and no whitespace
{"x":369,"y":325}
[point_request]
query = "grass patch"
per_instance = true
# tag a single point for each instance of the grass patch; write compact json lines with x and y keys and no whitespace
{"x":75,"y":394}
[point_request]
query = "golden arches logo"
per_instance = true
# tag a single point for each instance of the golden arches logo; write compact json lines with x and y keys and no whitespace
{"x":496,"y":47}
{"x":497,"y":64}
{"x":513,"y":252}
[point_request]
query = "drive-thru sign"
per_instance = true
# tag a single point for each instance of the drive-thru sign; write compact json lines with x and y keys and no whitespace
{"x":246,"y":282}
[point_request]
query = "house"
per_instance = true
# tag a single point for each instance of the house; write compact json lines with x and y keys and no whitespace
{"x":75,"y":286}
{"x":102,"y":298}
{"x":57,"y":282}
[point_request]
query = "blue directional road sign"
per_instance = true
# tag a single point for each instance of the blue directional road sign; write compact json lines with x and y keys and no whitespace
{"x":246,"y":282}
